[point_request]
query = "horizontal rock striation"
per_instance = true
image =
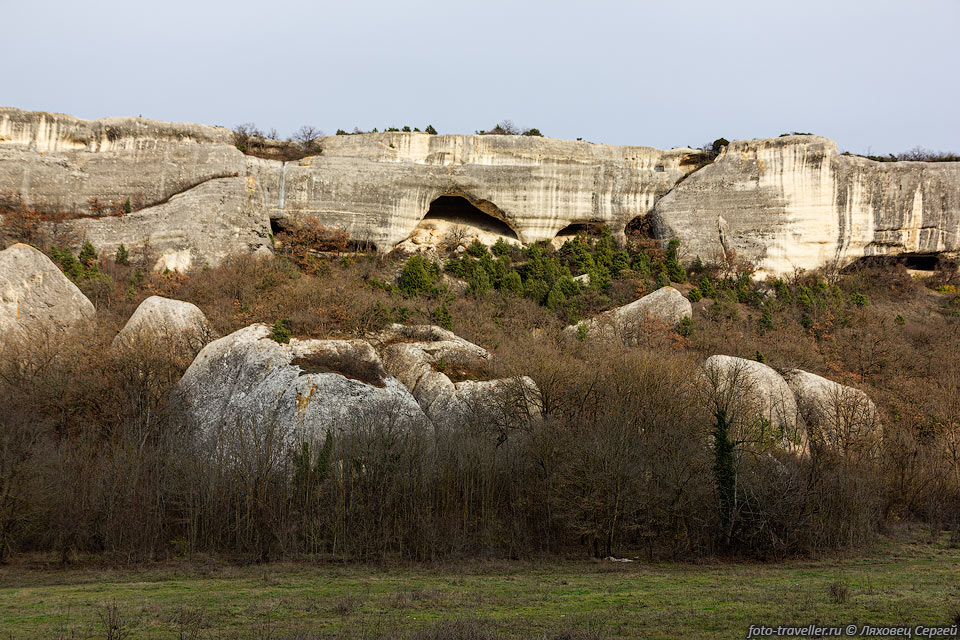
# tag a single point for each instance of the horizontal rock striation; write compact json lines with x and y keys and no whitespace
{"x":795,"y":203}
{"x":380,"y":186}
{"x":785,"y":203}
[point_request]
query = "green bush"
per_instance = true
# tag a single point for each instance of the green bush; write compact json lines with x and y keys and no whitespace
{"x":441,"y":315}
{"x":536,"y":289}
{"x":513,"y":283}
{"x":122,"y":256}
{"x":477,"y":249}
{"x":431,"y":130}
{"x":479,"y":281}
{"x":685,"y":327}
{"x":859,"y":300}
{"x":694,"y":295}
{"x":419,"y":276}
{"x":501,"y":248}
{"x":707,"y":287}
{"x":88,"y":255}
{"x":280,"y":332}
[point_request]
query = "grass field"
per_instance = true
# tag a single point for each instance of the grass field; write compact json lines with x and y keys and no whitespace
{"x":896,"y":582}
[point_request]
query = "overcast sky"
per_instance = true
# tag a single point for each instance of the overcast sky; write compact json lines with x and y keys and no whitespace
{"x":875,"y":75}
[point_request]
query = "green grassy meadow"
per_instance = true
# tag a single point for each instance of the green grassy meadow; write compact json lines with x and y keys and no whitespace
{"x":896,"y":582}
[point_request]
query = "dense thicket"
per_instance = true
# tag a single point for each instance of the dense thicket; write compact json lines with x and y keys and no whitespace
{"x":635,"y":454}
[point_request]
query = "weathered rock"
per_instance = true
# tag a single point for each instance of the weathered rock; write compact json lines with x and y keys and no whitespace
{"x":837,"y":416}
{"x":784,"y":203}
{"x":759,"y":396}
{"x":201,"y":226}
{"x":665,"y":306}
{"x":35,"y":297}
{"x":250,"y":386}
{"x":424,"y":358}
{"x":180,"y":326}
{"x":380,"y":186}
{"x":795,"y":203}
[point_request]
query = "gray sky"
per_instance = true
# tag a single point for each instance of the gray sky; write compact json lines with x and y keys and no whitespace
{"x":875,"y":75}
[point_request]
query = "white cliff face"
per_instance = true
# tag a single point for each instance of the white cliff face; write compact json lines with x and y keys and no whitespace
{"x":785,"y":203}
{"x":795,"y":203}
{"x":380,"y":186}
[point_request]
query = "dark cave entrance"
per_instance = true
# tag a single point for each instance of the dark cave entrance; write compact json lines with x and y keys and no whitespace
{"x":641,"y":232}
{"x":454,"y":210}
{"x":929,"y":262}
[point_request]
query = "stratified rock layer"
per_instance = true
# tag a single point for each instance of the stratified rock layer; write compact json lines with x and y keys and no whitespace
{"x":786,"y":203}
{"x":795,"y":203}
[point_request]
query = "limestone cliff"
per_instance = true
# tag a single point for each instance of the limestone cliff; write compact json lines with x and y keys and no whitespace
{"x":795,"y":203}
{"x":380,"y":186}
{"x":784,"y":203}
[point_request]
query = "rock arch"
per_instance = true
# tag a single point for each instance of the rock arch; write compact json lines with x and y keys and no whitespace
{"x":589,"y":228}
{"x":455,"y":214}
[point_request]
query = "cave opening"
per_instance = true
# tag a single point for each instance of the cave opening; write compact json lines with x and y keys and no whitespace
{"x":452,"y":210}
{"x":926,"y":262}
{"x":641,"y":232}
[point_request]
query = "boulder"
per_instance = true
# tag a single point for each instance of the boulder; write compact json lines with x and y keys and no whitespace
{"x":839,"y":417}
{"x":440,"y":369}
{"x":35,"y":296}
{"x":756,"y":392}
{"x":665,"y":306}
{"x":249,"y":386}
{"x":180,"y":325}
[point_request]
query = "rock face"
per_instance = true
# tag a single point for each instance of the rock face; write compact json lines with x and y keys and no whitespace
{"x":795,"y":203}
{"x":201,"y":226}
{"x":35,"y":296}
{"x":181,"y":326}
{"x":425,"y":357}
{"x":185,"y":184}
{"x":249,"y":386}
{"x":784,"y":203}
{"x":839,"y":417}
{"x":665,"y":306}
{"x":380,"y":186}
{"x":753,"y":390}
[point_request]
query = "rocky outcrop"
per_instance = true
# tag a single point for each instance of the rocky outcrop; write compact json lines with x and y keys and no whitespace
{"x":380,"y":186}
{"x":201,"y":226}
{"x":795,"y":203}
{"x":839,"y":417}
{"x":36,"y":299}
{"x":190,"y":202}
{"x":180,"y":326}
{"x":246,"y":386}
{"x":440,"y":369}
{"x":759,"y":397}
{"x":666,"y":306}
{"x":783,"y":203}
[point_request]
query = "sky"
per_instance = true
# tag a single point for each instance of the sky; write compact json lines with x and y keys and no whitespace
{"x":877,"y":76}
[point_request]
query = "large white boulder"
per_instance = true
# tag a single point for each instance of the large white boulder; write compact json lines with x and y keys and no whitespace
{"x":839,"y":417}
{"x":665,"y":306}
{"x":441,"y":370}
{"x":36,"y":299}
{"x":180,"y":325}
{"x":250,"y":386}
{"x":758,"y":397}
